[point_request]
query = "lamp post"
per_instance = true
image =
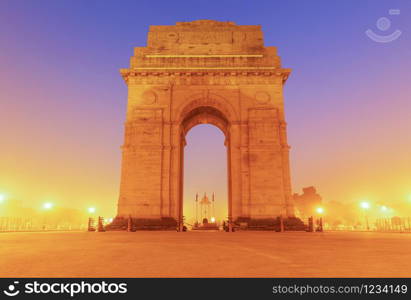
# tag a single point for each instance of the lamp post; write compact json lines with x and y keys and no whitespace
{"x":365,"y":206}
{"x":196,"y":224}
{"x":91,"y":210}
{"x":46,"y":206}
{"x":213,"y":210}
{"x":2,"y":198}
{"x":320,"y":211}
{"x":384,"y":210}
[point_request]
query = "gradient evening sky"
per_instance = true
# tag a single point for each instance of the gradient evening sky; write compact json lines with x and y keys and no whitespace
{"x":62,"y":100}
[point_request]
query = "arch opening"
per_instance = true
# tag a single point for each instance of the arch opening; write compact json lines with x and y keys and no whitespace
{"x":205,"y":115}
{"x":205,"y":167}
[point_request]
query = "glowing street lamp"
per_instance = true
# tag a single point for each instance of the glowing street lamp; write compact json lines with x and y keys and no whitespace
{"x":47,"y":205}
{"x":91,"y":210}
{"x":212,"y":220}
{"x":365,"y":206}
{"x":2,"y":198}
{"x":319,"y":210}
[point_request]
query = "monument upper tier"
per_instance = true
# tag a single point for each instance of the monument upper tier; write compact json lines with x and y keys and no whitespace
{"x":205,"y":45}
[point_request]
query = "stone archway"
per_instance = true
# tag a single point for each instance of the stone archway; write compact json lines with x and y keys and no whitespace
{"x":204,"y":72}
{"x":204,"y":115}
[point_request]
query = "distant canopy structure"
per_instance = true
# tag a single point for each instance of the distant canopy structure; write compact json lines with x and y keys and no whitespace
{"x":206,"y":208}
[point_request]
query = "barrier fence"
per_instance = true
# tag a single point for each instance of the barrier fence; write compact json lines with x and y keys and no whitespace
{"x":7,"y":224}
{"x":33,"y":224}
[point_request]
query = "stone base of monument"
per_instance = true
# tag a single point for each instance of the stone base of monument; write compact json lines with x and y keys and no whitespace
{"x":134,"y":224}
{"x":241,"y":223}
{"x":271,"y":224}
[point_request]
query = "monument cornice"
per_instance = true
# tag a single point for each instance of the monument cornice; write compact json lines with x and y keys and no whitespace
{"x":204,"y":71}
{"x":201,"y":55}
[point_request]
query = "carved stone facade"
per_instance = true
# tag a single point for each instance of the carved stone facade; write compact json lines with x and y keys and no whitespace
{"x":209,"y":72}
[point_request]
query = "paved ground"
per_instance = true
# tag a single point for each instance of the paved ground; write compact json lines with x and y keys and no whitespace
{"x":205,"y":254}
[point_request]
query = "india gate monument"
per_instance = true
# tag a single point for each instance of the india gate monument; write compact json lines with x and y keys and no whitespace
{"x":205,"y":72}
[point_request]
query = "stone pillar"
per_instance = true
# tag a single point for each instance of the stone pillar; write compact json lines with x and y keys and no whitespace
{"x":285,"y":153}
{"x":140,"y":189}
{"x":267,"y":195}
{"x":236,"y":205}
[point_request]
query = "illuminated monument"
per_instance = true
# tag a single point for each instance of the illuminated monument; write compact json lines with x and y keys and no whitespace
{"x":204,"y":72}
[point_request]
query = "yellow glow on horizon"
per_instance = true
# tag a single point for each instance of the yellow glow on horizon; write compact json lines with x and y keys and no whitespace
{"x":384,"y":208}
{"x":92,"y":210}
{"x":2,"y":198}
{"x":212,"y":220}
{"x":319,"y":210}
